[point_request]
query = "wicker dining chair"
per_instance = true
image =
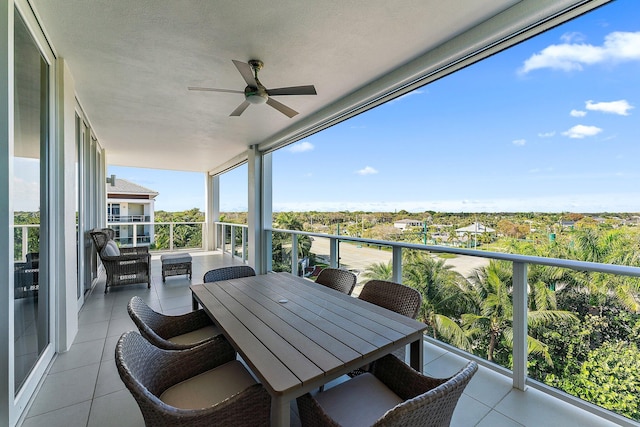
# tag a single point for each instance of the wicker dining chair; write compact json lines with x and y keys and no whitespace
{"x":393,"y":394}
{"x":124,"y":266}
{"x":228,"y":273}
{"x":392,"y":296}
{"x":336,"y":278}
{"x":172,"y":332}
{"x":201,"y":386}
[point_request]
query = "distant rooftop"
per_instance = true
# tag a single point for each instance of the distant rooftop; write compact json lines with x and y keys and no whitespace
{"x":122,"y":186}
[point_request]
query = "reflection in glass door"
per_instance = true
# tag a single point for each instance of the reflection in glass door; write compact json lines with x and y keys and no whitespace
{"x":29,"y":199}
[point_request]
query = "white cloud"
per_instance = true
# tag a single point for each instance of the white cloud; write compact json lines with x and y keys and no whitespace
{"x":546,"y":134}
{"x":617,"y":47}
{"x":301,"y":147}
{"x":367,"y":170}
{"x":414,"y":92}
{"x":582,"y":131}
{"x":519,"y":142}
{"x":578,"y":113}
{"x":574,"y":37}
{"x":620,"y":107}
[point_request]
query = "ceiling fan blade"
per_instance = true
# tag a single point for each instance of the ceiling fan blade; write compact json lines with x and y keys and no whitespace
{"x":289,"y":112}
{"x":210,"y":89}
{"x":240,"y":108}
{"x":294,"y":90}
{"x":246,"y":72}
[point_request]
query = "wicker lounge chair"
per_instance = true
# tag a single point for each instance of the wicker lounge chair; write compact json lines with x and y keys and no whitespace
{"x":171,"y":332}
{"x":393,"y":394}
{"x":124,"y":266}
{"x":201,"y":386}
{"x":335,"y":278}
{"x":228,"y":273}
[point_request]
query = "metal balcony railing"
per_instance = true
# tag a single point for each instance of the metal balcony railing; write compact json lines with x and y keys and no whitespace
{"x":232,"y":239}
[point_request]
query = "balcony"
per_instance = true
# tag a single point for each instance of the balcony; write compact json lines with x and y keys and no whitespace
{"x":95,"y":395}
{"x":128,"y":218}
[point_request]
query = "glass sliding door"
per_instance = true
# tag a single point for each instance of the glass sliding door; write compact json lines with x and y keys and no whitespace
{"x":29,"y":200}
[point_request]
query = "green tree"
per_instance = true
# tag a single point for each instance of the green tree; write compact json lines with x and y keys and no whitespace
{"x":609,"y":378}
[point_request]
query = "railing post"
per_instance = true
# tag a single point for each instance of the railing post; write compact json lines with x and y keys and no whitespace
{"x":135,"y":235}
{"x":25,"y":242}
{"x":520,"y":330}
{"x":333,"y":252}
{"x":294,"y":254}
{"x":396,"y":262}
{"x":233,"y":241}
{"x":223,"y":241}
{"x":244,"y":244}
{"x":171,"y":236}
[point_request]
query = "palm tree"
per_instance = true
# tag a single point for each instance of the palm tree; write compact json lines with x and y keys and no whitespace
{"x":445,"y":294}
{"x":493,"y":285}
{"x":379,"y":271}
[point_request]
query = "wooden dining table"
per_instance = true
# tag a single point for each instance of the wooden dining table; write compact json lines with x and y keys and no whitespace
{"x":296,"y":335}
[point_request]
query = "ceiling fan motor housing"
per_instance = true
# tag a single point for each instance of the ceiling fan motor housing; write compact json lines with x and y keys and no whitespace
{"x":256,"y":95}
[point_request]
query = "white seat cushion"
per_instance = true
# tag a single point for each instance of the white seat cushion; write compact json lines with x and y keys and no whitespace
{"x":359,"y":401}
{"x":210,"y":387}
{"x":111,"y":249}
{"x":196,"y":336}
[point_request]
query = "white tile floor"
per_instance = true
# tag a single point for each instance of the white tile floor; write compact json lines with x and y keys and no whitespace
{"x":83,"y":388}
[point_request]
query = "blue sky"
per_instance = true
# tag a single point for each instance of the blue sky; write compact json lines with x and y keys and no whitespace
{"x":550,"y":125}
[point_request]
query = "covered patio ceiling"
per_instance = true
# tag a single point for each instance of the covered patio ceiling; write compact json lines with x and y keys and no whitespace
{"x":132,"y":62}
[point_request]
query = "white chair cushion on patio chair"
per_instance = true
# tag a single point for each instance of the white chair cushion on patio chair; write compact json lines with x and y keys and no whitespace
{"x":196,"y":336}
{"x":359,"y":401}
{"x":210,"y":387}
{"x":111,"y":249}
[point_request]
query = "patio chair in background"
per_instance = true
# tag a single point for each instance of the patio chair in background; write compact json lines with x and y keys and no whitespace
{"x":172,"y":332}
{"x":124,"y":266}
{"x":393,"y":394}
{"x":335,"y":278}
{"x":228,"y":273}
{"x":201,"y":386}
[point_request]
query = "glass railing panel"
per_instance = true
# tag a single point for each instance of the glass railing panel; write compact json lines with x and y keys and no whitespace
{"x":281,"y":252}
{"x":162,"y":237}
{"x":187,"y":236}
{"x":587,"y":343}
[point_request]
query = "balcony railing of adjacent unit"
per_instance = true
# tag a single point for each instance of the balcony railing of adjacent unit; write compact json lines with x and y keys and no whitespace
{"x":232,"y":239}
{"x":167,"y":235}
{"x":128,"y":218}
{"x":26,"y":239}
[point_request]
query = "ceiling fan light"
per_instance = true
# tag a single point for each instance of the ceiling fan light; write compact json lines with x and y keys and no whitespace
{"x":257,"y":98}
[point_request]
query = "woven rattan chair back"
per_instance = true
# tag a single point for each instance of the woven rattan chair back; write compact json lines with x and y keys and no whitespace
{"x":148,"y":371}
{"x":157,"y":328}
{"x":392,"y":296}
{"x":335,"y":278}
{"x":228,"y":273}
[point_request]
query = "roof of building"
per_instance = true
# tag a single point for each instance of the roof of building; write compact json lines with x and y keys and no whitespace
{"x":122,"y":186}
{"x":476,"y":227}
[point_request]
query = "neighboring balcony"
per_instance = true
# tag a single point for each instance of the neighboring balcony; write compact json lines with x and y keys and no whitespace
{"x":128,"y":218}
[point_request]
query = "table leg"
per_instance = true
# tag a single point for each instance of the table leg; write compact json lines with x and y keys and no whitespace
{"x":194,"y":302}
{"x":280,"y":415}
{"x":417,"y":355}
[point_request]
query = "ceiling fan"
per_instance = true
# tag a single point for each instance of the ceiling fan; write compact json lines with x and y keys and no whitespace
{"x":256,"y":93}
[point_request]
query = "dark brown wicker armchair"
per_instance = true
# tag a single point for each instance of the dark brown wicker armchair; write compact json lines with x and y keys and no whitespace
{"x":201,"y":386}
{"x":393,"y":394}
{"x":228,"y":273}
{"x":335,"y":278}
{"x":171,"y":332}
{"x":124,"y":266}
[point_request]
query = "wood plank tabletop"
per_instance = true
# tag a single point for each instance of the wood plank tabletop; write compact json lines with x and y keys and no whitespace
{"x":317,"y":333}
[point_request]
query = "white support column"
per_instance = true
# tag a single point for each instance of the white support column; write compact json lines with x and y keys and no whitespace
{"x":259,"y":214}
{"x":520,"y":330}
{"x":211,"y":211}
{"x":397,"y":265}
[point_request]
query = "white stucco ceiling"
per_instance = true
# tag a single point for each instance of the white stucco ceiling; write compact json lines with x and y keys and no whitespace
{"x":132,"y":61}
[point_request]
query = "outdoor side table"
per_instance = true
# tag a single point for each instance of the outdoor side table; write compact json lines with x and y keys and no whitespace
{"x":175,"y":264}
